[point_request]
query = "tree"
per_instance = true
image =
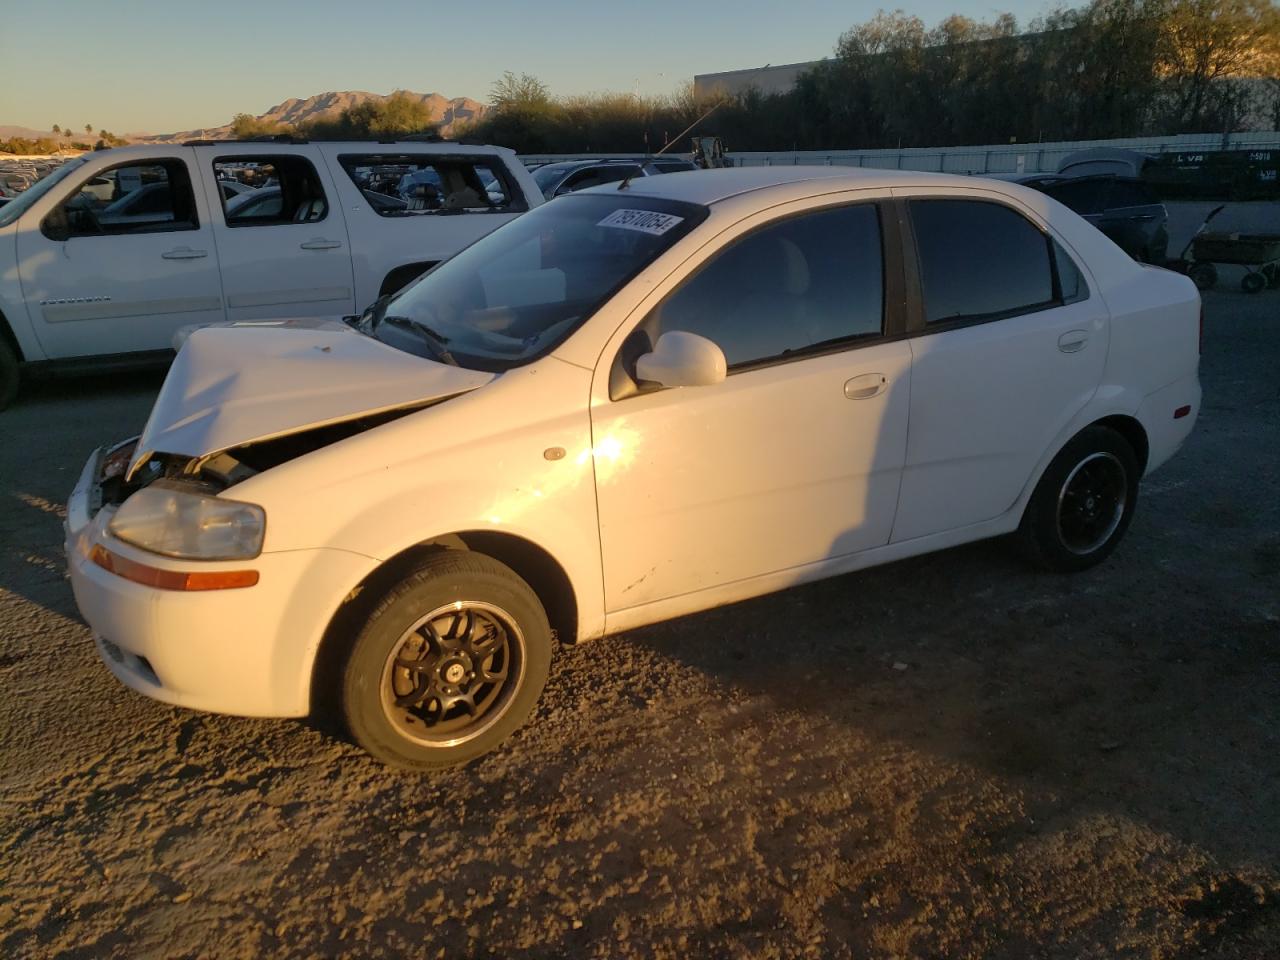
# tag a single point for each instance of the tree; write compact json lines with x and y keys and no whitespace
{"x":1207,"y":41}
{"x":88,"y":128}
{"x":57,"y":129}
{"x":245,"y":126}
{"x":396,"y":116}
{"x":524,"y":92}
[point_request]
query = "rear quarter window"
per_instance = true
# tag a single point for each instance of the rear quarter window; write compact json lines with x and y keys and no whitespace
{"x":415,"y":185}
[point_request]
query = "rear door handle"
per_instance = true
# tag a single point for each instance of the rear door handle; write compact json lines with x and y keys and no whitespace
{"x":184,"y":253}
{"x":319,"y":244}
{"x":864,"y":387}
{"x":1073,"y":341}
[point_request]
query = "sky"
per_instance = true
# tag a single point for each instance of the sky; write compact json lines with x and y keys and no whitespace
{"x":160,"y":67}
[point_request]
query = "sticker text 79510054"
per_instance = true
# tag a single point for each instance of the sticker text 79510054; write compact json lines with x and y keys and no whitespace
{"x":645,"y":221}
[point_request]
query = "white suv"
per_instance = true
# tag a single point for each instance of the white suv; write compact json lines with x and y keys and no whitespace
{"x":110,"y":255}
{"x":627,"y":405}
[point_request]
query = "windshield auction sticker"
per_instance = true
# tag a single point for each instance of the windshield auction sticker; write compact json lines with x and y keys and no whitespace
{"x":645,"y":221}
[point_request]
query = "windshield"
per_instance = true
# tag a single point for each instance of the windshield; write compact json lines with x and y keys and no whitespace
{"x":513,"y":295}
{"x":16,"y":207}
{"x":548,"y":176}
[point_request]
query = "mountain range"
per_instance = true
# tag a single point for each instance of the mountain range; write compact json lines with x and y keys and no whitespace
{"x":448,"y":113}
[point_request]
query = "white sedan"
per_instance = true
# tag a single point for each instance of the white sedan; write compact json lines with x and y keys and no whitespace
{"x":629,"y":404}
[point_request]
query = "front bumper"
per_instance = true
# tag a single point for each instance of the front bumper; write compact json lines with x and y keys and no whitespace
{"x":245,"y":651}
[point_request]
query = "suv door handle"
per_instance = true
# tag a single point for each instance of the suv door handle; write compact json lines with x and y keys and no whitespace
{"x":1073,"y":341}
{"x":864,"y":387}
{"x":319,"y":244}
{"x":184,"y":253}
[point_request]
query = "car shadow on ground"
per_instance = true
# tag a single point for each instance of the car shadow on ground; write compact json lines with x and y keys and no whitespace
{"x":1076,"y":691}
{"x":40,"y":468}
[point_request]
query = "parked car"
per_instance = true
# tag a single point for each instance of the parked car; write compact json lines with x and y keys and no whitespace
{"x":568,"y":176}
{"x":109,"y":255}
{"x":1124,"y":208}
{"x":623,"y":407}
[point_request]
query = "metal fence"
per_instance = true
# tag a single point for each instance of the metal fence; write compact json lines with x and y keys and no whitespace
{"x":993,"y":158}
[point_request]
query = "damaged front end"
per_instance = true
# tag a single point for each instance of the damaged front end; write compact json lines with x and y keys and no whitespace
{"x":122,"y":473}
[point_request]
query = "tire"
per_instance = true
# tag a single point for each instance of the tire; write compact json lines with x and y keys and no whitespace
{"x":1272,"y":273}
{"x":1253,"y":283}
{"x":1204,"y":275}
{"x":1083,"y":504}
{"x":10,"y":374}
{"x":409,"y":688}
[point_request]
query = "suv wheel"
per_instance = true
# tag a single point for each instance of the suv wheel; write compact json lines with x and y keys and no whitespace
{"x":1084,"y":502}
{"x":449,"y":663}
{"x":10,"y":374}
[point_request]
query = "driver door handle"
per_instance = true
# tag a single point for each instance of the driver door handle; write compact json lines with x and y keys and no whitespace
{"x":184,"y":253}
{"x":866,"y":386}
{"x":321,"y":244}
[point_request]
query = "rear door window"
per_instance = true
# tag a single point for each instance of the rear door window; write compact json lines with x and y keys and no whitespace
{"x":408,"y":185}
{"x":279,"y":189}
{"x":979,"y":261}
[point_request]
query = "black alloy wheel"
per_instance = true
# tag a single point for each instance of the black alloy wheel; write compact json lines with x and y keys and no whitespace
{"x":1084,"y":502}
{"x":446,"y":663}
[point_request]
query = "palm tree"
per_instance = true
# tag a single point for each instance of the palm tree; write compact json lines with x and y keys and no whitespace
{"x":56,"y":129}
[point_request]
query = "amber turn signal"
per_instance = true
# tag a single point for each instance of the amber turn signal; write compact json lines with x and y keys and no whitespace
{"x":170,"y":579}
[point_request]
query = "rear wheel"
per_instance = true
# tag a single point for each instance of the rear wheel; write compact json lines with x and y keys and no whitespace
{"x":1204,"y":275}
{"x":1084,"y":502}
{"x":1253,"y":283}
{"x":10,"y":374}
{"x":448,"y":664}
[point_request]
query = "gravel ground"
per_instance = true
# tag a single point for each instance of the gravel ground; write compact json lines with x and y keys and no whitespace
{"x":946,"y":757}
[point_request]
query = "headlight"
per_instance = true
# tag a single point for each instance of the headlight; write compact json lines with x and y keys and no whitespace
{"x":190,"y":526}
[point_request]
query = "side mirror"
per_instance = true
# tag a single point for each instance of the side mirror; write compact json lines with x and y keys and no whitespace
{"x":682,"y":359}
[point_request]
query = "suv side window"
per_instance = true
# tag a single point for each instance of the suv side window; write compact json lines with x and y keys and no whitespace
{"x":793,"y":287}
{"x":980,"y":261}
{"x":407,"y":185}
{"x":282,"y":189}
{"x":1130,"y":193}
{"x":1082,"y":196}
{"x":150,"y":197}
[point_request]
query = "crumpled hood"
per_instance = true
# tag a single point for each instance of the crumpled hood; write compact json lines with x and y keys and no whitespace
{"x":231,"y":385}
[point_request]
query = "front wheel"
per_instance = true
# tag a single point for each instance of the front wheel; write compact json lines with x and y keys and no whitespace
{"x":1084,"y":502}
{"x":449,"y":663}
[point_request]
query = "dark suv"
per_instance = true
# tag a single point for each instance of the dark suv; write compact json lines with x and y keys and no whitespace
{"x":1124,"y":208}
{"x":568,"y":176}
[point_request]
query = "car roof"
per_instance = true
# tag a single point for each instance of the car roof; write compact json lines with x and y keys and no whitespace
{"x":712,"y":186}
{"x":1022,"y":177}
{"x":575,"y":164}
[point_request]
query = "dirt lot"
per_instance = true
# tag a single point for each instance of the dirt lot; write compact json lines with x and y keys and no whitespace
{"x":947,"y":757}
